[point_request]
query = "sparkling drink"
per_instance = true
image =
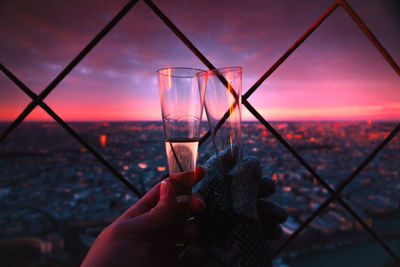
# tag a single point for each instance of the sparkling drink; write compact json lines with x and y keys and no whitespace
{"x":181,"y":96}
{"x":181,"y":153}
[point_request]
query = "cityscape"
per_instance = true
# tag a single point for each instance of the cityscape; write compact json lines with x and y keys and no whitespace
{"x":57,"y":195}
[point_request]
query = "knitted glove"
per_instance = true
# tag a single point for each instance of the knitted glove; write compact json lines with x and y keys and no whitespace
{"x":238,"y":221}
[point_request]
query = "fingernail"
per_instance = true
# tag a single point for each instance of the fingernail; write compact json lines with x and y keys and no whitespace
{"x":163,"y":189}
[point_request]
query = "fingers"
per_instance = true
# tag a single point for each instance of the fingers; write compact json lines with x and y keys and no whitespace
{"x":194,"y":257}
{"x":198,"y":205}
{"x":244,"y":187}
{"x":182,"y":181}
{"x":161,"y":218}
{"x":187,"y":179}
{"x":267,"y":187}
{"x":191,"y":255}
{"x":224,"y":159}
{"x":228,"y":158}
{"x":270,"y":213}
{"x":271,"y":216}
{"x":273,"y":231}
{"x":199,"y":174}
{"x":187,"y":233}
{"x":148,"y":201}
{"x":167,"y":205}
{"x":191,"y":230}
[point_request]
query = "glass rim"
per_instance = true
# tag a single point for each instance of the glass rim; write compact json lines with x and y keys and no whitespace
{"x":164,"y":73}
{"x":225,"y":69}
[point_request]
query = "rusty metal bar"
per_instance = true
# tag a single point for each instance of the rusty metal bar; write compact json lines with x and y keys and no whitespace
{"x":68,"y":68}
{"x":338,"y":190}
{"x":333,"y":193}
{"x":290,"y":51}
{"x":97,"y":155}
{"x":370,"y":35}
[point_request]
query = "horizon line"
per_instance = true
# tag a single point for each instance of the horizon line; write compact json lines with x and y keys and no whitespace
{"x":255,"y":120}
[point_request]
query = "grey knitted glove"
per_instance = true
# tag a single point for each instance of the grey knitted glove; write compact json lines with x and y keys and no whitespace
{"x":237,"y":223}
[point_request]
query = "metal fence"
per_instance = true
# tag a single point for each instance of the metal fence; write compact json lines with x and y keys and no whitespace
{"x":334,"y":192}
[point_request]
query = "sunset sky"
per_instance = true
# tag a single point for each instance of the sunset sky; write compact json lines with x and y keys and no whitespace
{"x":336,"y":74}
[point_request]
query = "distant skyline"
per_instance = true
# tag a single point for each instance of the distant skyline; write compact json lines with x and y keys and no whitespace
{"x":336,"y":74}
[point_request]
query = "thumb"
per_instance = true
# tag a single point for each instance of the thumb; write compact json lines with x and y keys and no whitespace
{"x":166,"y":207}
{"x":159,"y":218}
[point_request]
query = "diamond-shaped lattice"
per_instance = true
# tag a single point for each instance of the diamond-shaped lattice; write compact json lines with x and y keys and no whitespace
{"x":38,"y":100}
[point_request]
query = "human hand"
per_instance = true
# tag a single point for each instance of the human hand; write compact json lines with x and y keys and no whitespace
{"x":238,"y":221}
{"x":147,"y":233}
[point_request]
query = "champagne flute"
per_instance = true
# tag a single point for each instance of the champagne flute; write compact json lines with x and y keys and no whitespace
{"x":223,"y":105}
{"x":182,"y":96}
